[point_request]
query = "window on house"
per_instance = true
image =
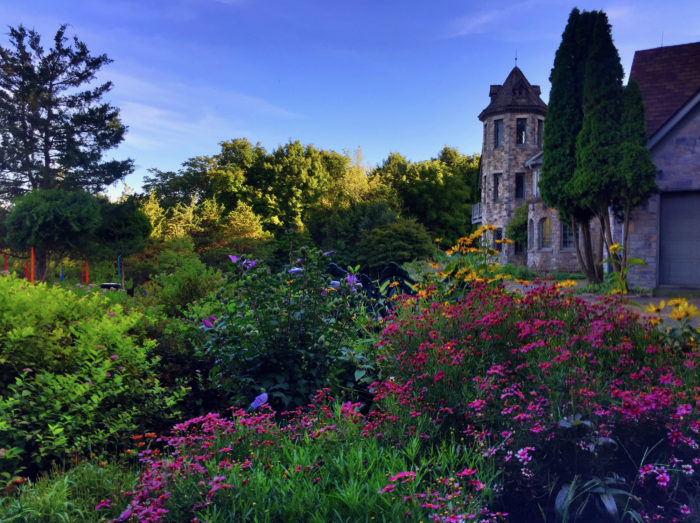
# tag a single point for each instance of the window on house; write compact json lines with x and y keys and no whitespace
{"x":498,"y":133}
{"x":497,"y":236}
{"x":520,"y":131}
{"x":535,"y":183}
{"x":545,"y":233}
{"x":540,"y":130}
{"x":496,"y":186}
{"x":567,"y":236}
{"x":519,"y":185}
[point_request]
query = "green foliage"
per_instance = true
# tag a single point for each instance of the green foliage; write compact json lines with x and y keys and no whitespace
{"x":54,"y":220}
{"x":181,"y":278}
{"x":594,"y":181}
{"x":75,"y":372}
{"x":342,"y":229}
{"x":516,"y":229}
{"x":565,"y":116}
{"x":520,"y":272}
{"x":52,"y":133}
{"x":124,"y":229}
{"x":71,"y":495}
{"x":401,"y":241}
{"x":288,"y":333}
{"x":437,"y":193}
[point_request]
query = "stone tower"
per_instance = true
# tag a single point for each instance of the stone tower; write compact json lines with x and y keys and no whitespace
{"x":513,"y":125}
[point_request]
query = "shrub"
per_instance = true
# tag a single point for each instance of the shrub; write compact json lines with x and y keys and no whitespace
{"x":288,"y":333}
{"x":74,"y":374}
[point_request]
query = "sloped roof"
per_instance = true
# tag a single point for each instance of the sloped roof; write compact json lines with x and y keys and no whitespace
{"x":516,"y":94}
{"x":668,"y":78}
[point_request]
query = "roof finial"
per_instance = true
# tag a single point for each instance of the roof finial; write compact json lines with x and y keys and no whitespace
{"x":516,"y":58}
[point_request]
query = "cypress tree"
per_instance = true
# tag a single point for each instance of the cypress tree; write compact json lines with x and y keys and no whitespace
{"x":564,"y":121}
{"x":637,"y":173}
{"x":595,"y":179}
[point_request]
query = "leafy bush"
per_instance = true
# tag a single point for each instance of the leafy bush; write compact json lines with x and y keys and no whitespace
{"x":288,"y":333}
{"x":75,"y":373}
{"x":401,"y":241}
{"x":182,"y":278}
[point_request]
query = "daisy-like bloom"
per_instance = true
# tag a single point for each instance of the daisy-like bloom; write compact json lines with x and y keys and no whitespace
{"x":655,"y":309}
{"x":684,"y":310}
{"x":615,"y":248}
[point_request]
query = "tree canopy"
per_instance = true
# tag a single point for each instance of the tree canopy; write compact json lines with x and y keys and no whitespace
{"x":54,"y":127}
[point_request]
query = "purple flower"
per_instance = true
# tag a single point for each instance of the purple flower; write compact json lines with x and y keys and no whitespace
{"x":353,"y":281}
{"x":212,"y":318}
{"x":234,"y":259}
{"x":295,"y":270}
{"x":114,"y":357}
{"x":207,"y":323}
{"x":328,"y":253}
{"x":249,"y":264}
{"x":259,"y":401}
{"x":105,"y":503}
{"x":335,"y":284}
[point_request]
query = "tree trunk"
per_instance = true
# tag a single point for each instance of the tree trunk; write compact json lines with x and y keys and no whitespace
{"x":587,"y":260}
{"x":41,"y":264}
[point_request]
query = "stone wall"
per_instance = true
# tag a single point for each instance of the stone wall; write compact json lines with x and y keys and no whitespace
{"x":554,"y":258}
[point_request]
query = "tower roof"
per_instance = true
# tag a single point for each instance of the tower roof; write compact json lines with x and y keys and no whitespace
{"x":668,"y":78}
{"x":516,"y":94}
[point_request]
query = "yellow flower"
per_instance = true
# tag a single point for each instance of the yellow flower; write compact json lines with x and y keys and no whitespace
{"x":449,"y":252}
{"x":684,"y":310}
{"x":653,"y":309}
{"x":615,"y":248}
{"x":565,"y":284}
{"x":437,"y":240}
{"x":676,"y":301}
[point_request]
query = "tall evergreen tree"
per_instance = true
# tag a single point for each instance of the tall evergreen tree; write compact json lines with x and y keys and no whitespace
{"x":595,"y":181}
{"x":565,"y":115}
{"x":53,"y":133}
{"x":636,"y":176}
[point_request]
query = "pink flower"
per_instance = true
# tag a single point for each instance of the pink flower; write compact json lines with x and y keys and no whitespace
{"x":105,"y":503}
{"x":388,"y":488}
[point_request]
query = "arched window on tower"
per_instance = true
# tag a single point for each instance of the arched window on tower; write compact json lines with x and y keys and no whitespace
{"x":545,"y":233}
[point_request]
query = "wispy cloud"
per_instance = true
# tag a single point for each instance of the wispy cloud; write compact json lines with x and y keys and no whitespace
{"x":476,"y":23}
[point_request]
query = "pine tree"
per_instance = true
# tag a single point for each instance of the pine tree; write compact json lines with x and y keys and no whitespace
{"x":53,"y":134}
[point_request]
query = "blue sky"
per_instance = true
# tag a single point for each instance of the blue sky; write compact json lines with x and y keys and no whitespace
{"x":407,"y":76}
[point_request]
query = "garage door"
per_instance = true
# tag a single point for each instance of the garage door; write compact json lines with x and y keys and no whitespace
{"x":679,"y":258}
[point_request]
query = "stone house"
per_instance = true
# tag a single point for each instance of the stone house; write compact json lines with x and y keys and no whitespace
{"x":665,"y":232}
{"x":511,"y":159}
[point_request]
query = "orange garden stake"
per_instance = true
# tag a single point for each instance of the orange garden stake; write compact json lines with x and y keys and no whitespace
{"x":32,"y":272}
{"x":87,"y":272}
